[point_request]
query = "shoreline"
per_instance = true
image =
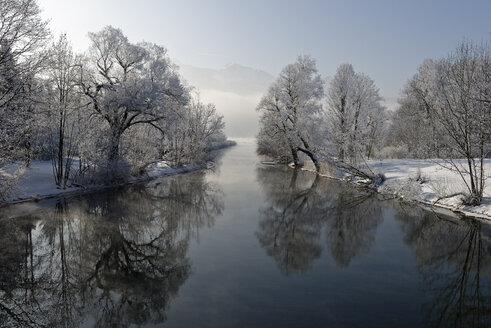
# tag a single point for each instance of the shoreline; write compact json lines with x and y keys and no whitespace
{"x":421,"y":202}
{"x":79,"y":191}
{"x":155,"y":173}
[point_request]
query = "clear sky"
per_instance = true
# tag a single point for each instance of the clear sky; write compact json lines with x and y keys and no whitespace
{"x":385,"y":39}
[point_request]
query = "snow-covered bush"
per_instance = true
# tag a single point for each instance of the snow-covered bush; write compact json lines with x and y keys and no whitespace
{"x":408,"y":189}
{"x":445,"y":190}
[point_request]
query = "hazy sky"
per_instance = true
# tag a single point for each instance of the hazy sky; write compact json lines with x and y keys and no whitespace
{"x":385,"y":39}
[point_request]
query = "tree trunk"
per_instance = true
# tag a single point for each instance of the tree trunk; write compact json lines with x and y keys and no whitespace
{"x":114,"y":146}
{"x":310,"y":153}
{"x":59,"y":173}
{"x":343,"y":129}
{"x":312,"y":156}
{"x":296,"y":160}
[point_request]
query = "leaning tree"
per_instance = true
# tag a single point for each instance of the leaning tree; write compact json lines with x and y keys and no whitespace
{"x":290,"y":113}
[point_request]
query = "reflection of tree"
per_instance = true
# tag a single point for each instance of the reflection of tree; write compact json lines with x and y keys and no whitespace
{"x":139,"y":256}
{"x":300,"y":205}
{"x":189,"y":202}
{"x":109,"y":259}
{"x":352,"y":224}
{"x":455,"y":264}
{"x":16,"y":262}
{"x":290,"y":229}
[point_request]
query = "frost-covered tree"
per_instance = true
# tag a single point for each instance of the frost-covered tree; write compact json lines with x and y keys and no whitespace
{"x":22,"y":36}
{"x":188,"y":137}
{"x":129,"y":84}
{"x":22,"y":33}
{"x":355,"y":114}
{"x":339,"y":95}
{"x":414,"y":125}
{"x":291,"y":114}
{"x":117,"y":108}
{"x":445,"y":112}
{"x":368,"y":117}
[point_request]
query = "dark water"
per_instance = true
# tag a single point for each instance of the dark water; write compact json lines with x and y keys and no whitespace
{"x":245,"y":246}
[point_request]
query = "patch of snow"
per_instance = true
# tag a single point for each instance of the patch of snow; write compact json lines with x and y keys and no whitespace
{"x":37,"y":181}
{"x":401,"y":180}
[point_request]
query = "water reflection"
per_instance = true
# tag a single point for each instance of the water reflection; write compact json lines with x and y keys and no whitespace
{"x":453,"y":258}
{"x":109,"y":259}
{"x":300,"y":206}
{"x":290,"y":226}
{"x":452,"y":255}
{"x":120,"y":258}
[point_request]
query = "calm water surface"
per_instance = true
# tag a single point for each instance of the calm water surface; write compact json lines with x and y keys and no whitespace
{"x":245,"y":246}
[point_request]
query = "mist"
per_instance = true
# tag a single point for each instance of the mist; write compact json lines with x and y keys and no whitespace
{"x":235,"y":90}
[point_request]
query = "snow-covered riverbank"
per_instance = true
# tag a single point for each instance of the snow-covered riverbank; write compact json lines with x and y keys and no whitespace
{"x":37,"y":182}
{"x":426,"y":182}
{"x":433,"y":185}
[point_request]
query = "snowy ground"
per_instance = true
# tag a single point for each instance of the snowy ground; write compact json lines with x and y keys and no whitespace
{"x":37,"y":182}
{"x":438,"y":182}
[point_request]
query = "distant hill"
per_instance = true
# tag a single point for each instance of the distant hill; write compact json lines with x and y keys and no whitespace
{"x":233,"y":78}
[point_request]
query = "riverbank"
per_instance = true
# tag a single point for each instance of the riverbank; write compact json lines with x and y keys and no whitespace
{"x":428,"y":182}
{"x":37,"y":182}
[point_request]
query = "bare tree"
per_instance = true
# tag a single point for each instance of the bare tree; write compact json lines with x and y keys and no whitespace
{"x":62,"y":99}
{"x":445,"y":113}
{"x":463,"y":94}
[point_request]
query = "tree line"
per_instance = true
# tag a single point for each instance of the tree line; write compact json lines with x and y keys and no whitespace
{"x":99,"y":116}
{"x":444,"y":113}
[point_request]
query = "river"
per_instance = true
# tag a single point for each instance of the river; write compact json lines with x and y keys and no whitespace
{"x":244,"y":245}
